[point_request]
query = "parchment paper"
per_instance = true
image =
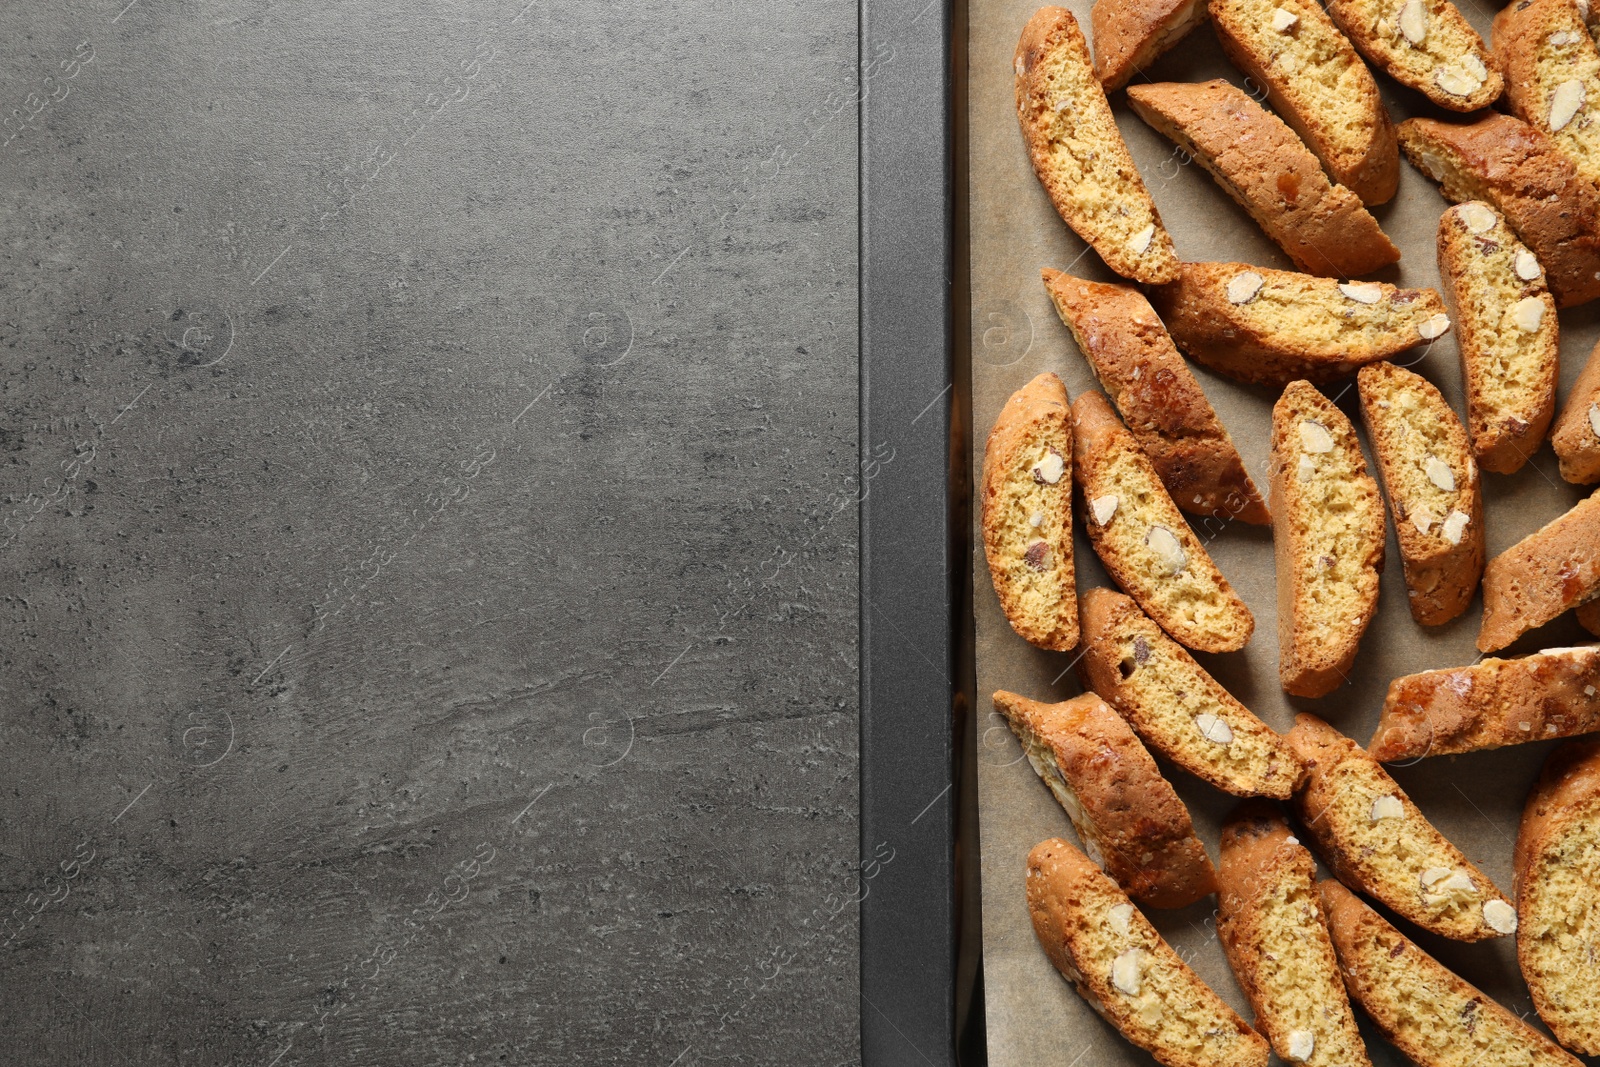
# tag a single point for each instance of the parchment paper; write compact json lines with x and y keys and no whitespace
{"x":1033,"y":1015}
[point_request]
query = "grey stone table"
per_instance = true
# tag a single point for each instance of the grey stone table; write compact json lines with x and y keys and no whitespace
{"x":428,"y":472}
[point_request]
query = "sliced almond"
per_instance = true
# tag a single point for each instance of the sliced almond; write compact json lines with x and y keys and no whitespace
{"x":1501,"y":917}
{"x":1434,"y":326}
{"x":1140,"y":242}
{"x":1103,"y":507}
{"x":1528,"y":313}
{"x":1314,"y":437}
{"x":1362,"y":292}
{"x":1125,"y":971}
{"x":1434,"y":875}
{"x":1423,"y":518}
{"x":1456,"y":81}
{"x":1562,"y":38}
{"x":1527,"y":265}
{"x":1387,"y":807}
{"x":1440,"y":474}
{"x":1242,"y":288}
{"x":1414,"y":21}
{"x":1458,"y":882}
{"x":1121,"y":916}
{"x":1476,"y":217}
{"x":1168,"y":551}
{"x":1474,"y":67}
{"x":1565,"y":102}
{"x":1048,"y":471}
{"x":1214,"y":729}
{"x":1454,"y":525}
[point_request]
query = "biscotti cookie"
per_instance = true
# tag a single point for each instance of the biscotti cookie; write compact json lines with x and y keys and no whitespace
{"x":1552,"y":570}
{"x":1129,"y":975}
{"x":1426,"y":45}
{"x":1552,"y":70}
{"x":1078,"y":153}
{"x":1424,"y":1009}
{"x":1576,"y":437}
{"x":1490,"y":704}
{"x":1315,"y":80}
{"x":1558,"y":894}
{"x":1142,"y":540}
{"x":1129,"y":35}
{"x":1177,"y":707}
{"x":1327,"y":538}
{"x":1152,"y":386}
{"x":1370,"y":834}
{"x":1128,"y":817}
{"x":1271,"y":327}
{"x":1512,"y":166}
{"x":1027,"y":514}
{"x":1270,"y":923}
{"x":1435,"y":499}
{"x":1505,"y":330}
{"x":1260,"y":162}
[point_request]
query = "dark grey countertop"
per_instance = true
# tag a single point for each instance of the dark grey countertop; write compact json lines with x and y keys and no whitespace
{"x":428,"y":466}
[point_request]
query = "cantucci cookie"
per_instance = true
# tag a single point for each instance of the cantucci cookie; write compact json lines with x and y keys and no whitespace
{"x":1505,"y":330}
{"x":1271,"y":327}
{"x":1152,"y":386}
{"x":1558,"y":894}
{"x":1552,"y":70}
{"x":1078,"y":153}
{"x":1552,"y":570}
{"x":1129,"y":975}
{"x":1327,"y":535}
{"x":1128,"y":817}
{"x":1177,"y":707}
{"x":1434,"y":1016}
{"x":1319,"y":85}
{"x":1270,"y":923}
{"x":1490,"y":704}
{"x":1426,"y":45}
{"x":1130,"y":34}
{"x":1432,"y":484}
{"x":1142,"y":540}
{"x":1370,"y":834}
{"x":1027,"y":514}
{"x":1517,"y":169}
{"x":1576,"y":437}
{"x":1260,"y":162}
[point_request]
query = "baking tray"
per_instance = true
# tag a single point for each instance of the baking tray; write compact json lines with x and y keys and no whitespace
{"x":1032,"y":1016}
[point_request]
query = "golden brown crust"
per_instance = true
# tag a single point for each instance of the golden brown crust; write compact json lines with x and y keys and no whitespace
{"x":1402,"y":410}
{"x":1262,"y":164}
{"x":1166,"y":697}
{"x":1552,"y":570}
{"x":1540,"y":44}
{"x":1137,"y":364}
{"x":1490,"y":704}
{"x":1267,"y":881}
{"x":1425,"y":1010}
{"x":1292,"y":326}
{"x":1070,"y":901}
{"x":1142,"y":540}
{"x":1449,"y":64}
{"x":1374,"y":838}
{"x":1516,"y":168}
{"x":1128,"y":817}
{"x":1078,"y":153}
{"x":1576,"y":437}
{"x":1037,"y":590}
{"x":1129,"y":35}
{"x":1334,"y":108}
{"x":1328,"y":541}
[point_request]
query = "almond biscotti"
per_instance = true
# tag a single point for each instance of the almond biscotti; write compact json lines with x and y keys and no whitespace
{"x":1129,"y":35}
{"x":1078,"y":152}
{"x":1558,"y":894}
{"x":1370,"y":834}
{"x":1128,"y":817}
{"x":1328,"y":541}
{"x":1262,"y":164}
{"x":1552,"y":570}
{"x":1576,"y":437}
{"x":1315,"y":80}
{"x":1434,"y":1016}
{"x":1435,"y":498}
{"x":1490,"y":704}
{"x":1152,"y":386}
{"x":1179,"y":709}
{"x":1129,"y":975}
{"x":1426,"y":45}
{"x":1271,"y":925}
{"x":1515,"y":168}
{"x":1271,"y":327}
{"x":1142,"y":540}
{"x":1505,"y":330}
{"x":1552,"y":70}
{"x":1027,"y":514}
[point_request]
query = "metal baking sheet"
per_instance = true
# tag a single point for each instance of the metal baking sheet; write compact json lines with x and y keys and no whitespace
{"x":1032,"y":1015}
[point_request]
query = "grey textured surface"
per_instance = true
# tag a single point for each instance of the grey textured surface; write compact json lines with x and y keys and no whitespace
{"x":429,"y":466}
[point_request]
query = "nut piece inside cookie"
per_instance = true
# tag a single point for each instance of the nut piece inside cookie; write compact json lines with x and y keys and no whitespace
{"x":1283,"y":21}
{"x":1386,"y":807}
{"x":1213,"y":729}
{"x":1103,"y":507}
{"x":1433,"y":327}
{"x":1455,"y":524}
{"x":1362,"y":292}
{"x":1565,"y":102}
{"x":1314,"y":437}
{"x":1594,"y":418}
{"x":1528,"y":313}
{"x":1242,"y":288}
{"x":1477,"y":218}
{"x":1301,"y":1044}
{"x":1414,"y":21}
{"x":1125,"y":971}
{"x":1527,"y":265}
{"x":1440,"y":474}
{"x":1167,"y":550}
{"x":1457,"y":81}
{"x":1121,"y":916}
{"x":1501,"y":917}
{"x":1048,"y":471}
{"x":1140,"y":242}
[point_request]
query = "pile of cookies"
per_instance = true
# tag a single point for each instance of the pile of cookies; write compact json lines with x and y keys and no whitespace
{"x":1521,"y":240}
